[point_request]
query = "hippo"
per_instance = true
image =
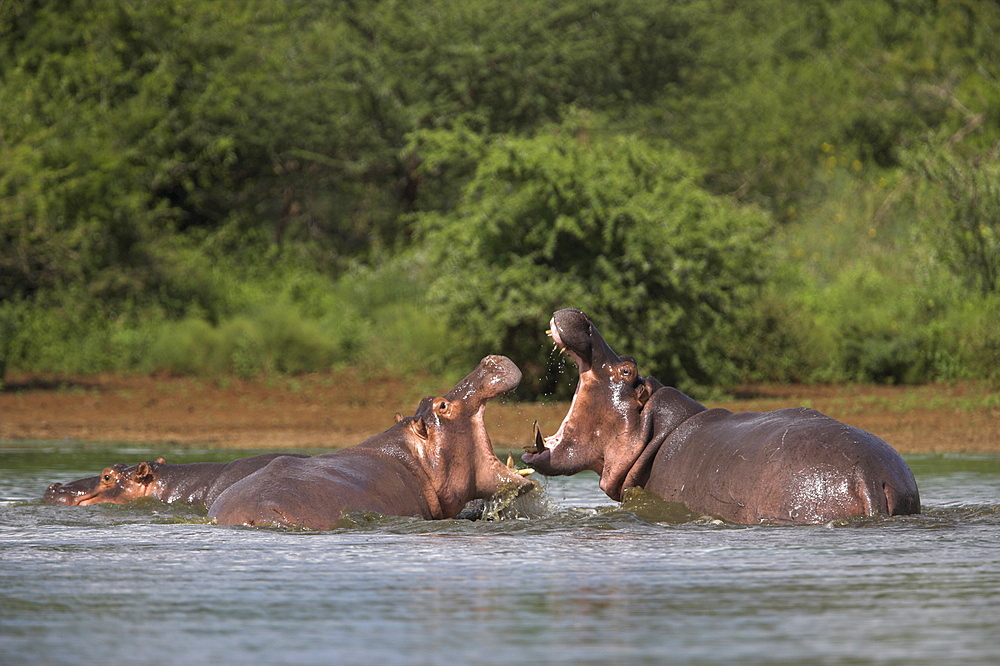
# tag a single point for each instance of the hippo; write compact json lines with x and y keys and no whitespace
{"x":428,"y":465}
{"x":790,"y":466}
{"x":190,"y":483}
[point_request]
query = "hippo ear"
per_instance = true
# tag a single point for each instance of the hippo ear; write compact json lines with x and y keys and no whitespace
{"x":144,"y":473}
{"x":646,"y":389}
{"x":418,"y":427}
{"x":161,"y":459}
{"x":399,"y":417}
{"x":642,"y":394}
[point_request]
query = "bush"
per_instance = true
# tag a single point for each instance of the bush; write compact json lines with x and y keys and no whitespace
{"x":270,"y":339}
{"x":617,"y":226}
{"x":965,"y":229}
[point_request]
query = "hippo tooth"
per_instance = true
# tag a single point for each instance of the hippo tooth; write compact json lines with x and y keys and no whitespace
{"x":539,"y":444}
{"x":524,"y":471}
{"x":510,"y":460}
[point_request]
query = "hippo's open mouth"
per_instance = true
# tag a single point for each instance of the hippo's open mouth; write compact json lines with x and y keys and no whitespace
{"x":539,"y":451}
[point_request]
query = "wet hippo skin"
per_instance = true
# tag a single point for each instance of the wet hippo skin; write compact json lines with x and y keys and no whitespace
{"x":427,"y":465}
{"x":792,"y":465}
{"x":189,"y":483}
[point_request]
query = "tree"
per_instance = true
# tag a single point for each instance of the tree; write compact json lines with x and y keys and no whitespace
{"x":966,"y":234}
{"x":617,"y":226}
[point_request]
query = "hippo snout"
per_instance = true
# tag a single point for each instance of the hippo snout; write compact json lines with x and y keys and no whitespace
{"x":494,"y":375}
{"x":56,"y":494}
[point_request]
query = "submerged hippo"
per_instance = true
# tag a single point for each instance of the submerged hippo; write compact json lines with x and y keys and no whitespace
{"x":427,"y":465}
{"x":190,"y":483}
{"x":788,"y":466}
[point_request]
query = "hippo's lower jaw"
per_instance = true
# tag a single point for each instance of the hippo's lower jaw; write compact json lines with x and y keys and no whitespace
{"x":537,"y":454}
{"x":539,"y":461}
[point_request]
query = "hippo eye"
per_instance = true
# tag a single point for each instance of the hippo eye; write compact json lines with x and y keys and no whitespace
{"x":107,"y":477}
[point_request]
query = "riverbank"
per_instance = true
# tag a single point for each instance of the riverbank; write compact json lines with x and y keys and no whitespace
{"x":343,"y":408}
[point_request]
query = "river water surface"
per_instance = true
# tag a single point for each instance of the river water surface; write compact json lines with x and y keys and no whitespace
{"x":564,"y":576}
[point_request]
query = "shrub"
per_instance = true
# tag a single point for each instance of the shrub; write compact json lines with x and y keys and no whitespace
{"x":617,"y":226}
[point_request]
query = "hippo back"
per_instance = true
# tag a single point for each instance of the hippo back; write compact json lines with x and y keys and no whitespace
{"x":792,"y":465}
{"x":315,"y":492}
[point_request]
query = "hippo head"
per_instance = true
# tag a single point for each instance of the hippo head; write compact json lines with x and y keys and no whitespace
{"x":118,"y":484}
{"x":602,"y":430}
{"x":447,"y":439}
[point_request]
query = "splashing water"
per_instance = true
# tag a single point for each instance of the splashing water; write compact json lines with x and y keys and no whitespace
{"x":508,"y":505}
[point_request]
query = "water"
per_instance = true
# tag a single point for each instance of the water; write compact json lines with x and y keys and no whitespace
{"x":582,"y":581}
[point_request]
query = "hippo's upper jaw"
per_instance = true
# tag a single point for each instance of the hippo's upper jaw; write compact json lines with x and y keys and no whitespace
{"x":573,"y":333}
{"x":493,"y":376}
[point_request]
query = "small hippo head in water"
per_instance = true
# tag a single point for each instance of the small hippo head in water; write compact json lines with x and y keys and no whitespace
{"x":610,"y":393}
{"x":118,"y":484}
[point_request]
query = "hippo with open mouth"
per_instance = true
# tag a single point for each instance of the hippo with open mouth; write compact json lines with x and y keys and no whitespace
{"x":428,"y":465}
{"x":792,"y":465}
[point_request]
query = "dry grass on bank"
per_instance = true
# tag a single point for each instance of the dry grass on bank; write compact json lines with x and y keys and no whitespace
{"x":342,"y":409}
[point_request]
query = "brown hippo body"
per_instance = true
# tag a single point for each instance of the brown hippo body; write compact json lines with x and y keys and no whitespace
{"x":364,"y":478}
{"x":792,"y":465}
{"x":189,"y":483}
{"x":428,"y":465}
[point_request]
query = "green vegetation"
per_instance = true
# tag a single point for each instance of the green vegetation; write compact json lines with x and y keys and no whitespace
{"x":735,"y":191}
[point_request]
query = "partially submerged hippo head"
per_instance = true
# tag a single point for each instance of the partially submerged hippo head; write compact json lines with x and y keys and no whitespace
{"x":607,"y":405}
{"x":447,"y":438}
{"x":118,"y":484}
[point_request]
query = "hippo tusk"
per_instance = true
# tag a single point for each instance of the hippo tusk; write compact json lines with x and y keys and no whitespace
{"x":539,"y":444}
{"x":524,"y":471}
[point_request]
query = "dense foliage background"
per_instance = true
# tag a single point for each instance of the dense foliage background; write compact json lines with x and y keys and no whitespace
{"x":735,"y":191}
